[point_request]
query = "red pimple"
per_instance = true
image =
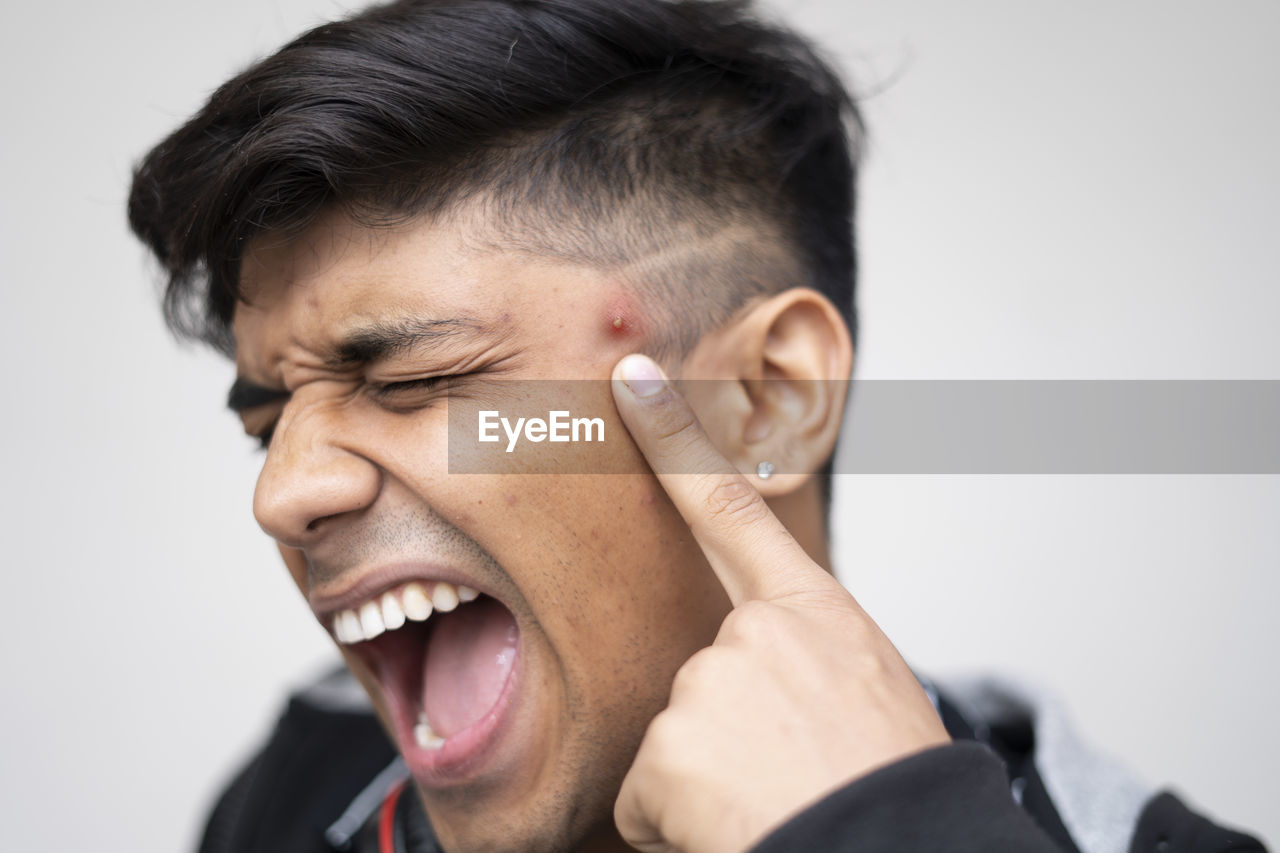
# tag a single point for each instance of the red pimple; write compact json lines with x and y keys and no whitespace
{"x":621,"y":317}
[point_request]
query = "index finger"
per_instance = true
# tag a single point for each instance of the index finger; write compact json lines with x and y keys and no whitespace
{"x":750,"y":550}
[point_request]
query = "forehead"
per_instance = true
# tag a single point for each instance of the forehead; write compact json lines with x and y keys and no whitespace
{"x":312,"y":288}
{"x":337,"y":265}
{"x":304,"y":295}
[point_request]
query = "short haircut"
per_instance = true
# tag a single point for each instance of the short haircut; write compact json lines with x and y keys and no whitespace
{"x":610,"y":130}
{"x":705,"y":155}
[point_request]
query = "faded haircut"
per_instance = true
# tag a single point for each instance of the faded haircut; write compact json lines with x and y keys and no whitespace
{"x":702,"y":154}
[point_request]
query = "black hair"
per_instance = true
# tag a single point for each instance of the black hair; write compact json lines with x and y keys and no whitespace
{"x":607,"y":130}
{"x":692,"y":108}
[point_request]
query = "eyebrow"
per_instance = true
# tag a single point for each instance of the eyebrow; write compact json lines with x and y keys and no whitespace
{"x":361,"y":346}
{"x":381,"y":340}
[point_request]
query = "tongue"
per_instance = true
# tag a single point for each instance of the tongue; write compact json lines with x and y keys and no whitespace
{"x":469,"y":657}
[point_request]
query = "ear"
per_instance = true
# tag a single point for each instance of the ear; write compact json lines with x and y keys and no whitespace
{"x":781,"y":370}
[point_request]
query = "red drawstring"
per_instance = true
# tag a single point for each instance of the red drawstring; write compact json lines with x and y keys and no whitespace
{"x":387,"y":820}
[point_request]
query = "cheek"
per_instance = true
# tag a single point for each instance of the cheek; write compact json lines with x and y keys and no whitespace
{"x":609,"y":572}
{"x":653,"y":602}
{"x":614,"y":576}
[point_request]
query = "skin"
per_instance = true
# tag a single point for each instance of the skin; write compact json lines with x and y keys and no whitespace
{"x":800,"y":692}
{"x":616,"y":588}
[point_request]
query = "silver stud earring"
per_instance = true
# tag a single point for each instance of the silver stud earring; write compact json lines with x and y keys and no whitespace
{"x":764,"y":470}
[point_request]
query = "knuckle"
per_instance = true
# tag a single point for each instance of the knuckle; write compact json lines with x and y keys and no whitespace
{"x":680,"y":441}
{"x":699,"y":668}
{"x":872,"y":665}
{"x":629,"y":811}
{"x":676,"y":424}
{"x":663,"y":736}
{"x":752,"y":619}
{"x":733,"y":500}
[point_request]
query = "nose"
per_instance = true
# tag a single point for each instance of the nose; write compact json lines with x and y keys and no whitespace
{"x":311,"y":479}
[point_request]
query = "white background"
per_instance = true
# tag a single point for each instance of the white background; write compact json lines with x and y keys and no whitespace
{"x":1053,"y":190}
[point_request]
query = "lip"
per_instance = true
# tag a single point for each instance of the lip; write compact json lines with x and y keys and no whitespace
{"x":372,"y":583}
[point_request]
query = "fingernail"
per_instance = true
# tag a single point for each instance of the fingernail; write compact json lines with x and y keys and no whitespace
{"x":642,"y":376}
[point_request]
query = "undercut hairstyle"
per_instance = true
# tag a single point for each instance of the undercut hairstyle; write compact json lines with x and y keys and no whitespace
{"x":701,"y":155}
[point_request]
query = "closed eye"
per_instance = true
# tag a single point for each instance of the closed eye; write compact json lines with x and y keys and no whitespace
{"x":408,"y":384}
{"x":425,"y":383}
{"x":410,"y":394}
{"x":393,"y":395}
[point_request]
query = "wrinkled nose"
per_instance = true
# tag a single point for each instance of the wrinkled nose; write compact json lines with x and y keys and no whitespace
{"x":311,"y":479}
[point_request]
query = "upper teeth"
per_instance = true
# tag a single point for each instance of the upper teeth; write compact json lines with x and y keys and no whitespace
{"x":390,"y":610}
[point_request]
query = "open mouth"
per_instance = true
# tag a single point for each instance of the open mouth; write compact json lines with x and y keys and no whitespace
{"x":445,"y":657}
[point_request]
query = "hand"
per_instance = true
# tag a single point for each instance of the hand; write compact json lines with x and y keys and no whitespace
{"x":799,"y":694}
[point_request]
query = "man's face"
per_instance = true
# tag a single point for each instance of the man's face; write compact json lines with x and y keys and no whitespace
{"x":593,"y":592}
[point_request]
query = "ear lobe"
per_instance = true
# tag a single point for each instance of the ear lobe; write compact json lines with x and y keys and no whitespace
{"x":803,"y":357}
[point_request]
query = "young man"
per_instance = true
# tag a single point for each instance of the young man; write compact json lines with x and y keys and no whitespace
{"x":403,"y":216}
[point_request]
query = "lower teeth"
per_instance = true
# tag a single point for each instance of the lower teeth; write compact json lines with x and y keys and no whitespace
{"x":425,"y":736}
